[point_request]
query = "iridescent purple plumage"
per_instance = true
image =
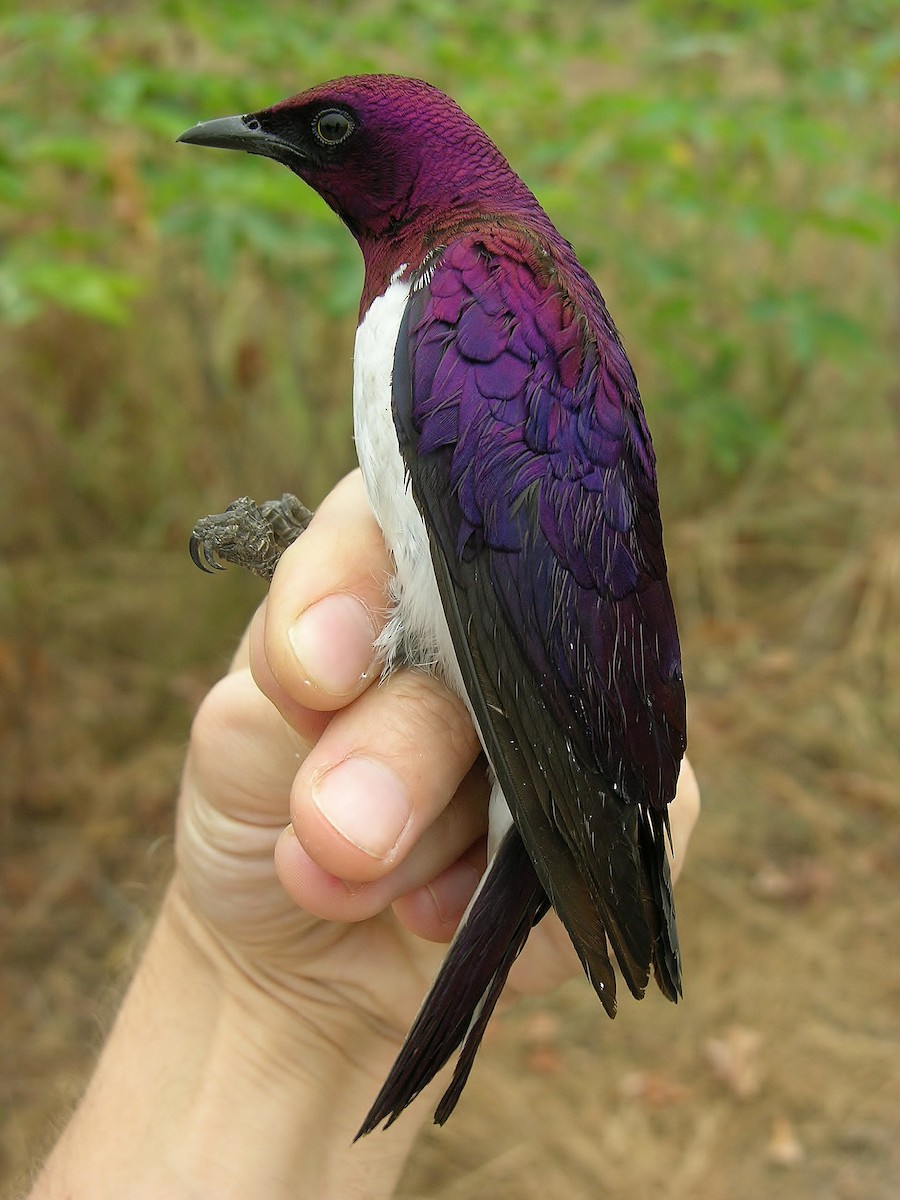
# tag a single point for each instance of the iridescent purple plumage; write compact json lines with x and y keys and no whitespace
{"x":533,"y":400}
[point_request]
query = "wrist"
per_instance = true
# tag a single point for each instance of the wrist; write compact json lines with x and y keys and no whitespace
{"x":301,"y":1070}
{"x":211,"y":1085}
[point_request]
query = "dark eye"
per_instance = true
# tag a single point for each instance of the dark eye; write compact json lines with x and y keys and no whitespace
{"x":332,"y":127}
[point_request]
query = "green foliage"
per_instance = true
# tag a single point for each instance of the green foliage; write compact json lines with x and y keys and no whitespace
{"x":722,"y":166}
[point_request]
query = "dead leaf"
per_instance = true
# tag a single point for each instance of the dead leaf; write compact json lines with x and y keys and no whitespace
{"x":785,"y":1148}
{"x":653,"y":1089}
{"x":799,"y":882}
{"x":546,"y":1060}
{"x":541,"y":1026}
{"x":734,"y":1058}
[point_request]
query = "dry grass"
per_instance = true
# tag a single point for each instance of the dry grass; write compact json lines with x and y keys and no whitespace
{"x":790,"y":603}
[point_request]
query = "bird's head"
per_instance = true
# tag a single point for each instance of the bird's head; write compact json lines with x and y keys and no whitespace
{"x":394,"y":157}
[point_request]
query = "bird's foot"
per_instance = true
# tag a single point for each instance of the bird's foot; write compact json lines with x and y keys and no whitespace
{"x":249,"y":535}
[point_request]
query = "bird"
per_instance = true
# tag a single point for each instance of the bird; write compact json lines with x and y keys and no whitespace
{"x":507,"y":459}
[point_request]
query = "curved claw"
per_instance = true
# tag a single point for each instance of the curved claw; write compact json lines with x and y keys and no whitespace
{"x":200,"y":556}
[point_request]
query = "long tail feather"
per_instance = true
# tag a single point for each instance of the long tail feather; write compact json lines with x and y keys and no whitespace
{"x":666,"y":952}
{"x":456,"y":1010}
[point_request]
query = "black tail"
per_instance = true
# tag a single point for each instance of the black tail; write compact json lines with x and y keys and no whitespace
{"x":509,"y":902}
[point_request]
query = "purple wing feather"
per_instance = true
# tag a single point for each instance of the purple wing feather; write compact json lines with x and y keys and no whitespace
{"x":531,"y":395}
{"x":520,"y":425}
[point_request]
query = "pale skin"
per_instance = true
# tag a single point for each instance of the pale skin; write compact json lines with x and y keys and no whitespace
{"x":289,"y":956}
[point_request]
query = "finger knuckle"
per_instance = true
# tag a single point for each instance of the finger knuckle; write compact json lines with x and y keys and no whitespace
{"x":224,"y":709}
{"x":433,"y":715}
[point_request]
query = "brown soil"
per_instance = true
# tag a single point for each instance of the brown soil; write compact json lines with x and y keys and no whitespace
{"x":779,"y":1074}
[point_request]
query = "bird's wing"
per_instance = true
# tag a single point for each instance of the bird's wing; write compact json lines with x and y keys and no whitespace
{"x":529,"y":458}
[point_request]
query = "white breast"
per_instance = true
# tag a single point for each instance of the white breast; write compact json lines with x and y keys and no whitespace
{"x":417,"y":631}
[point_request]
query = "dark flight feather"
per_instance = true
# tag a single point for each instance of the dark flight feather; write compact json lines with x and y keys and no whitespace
{"x":471,"y":978}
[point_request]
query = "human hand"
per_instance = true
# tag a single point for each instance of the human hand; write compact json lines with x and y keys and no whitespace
{"x":287,"y":961}
{"x":337,"y":931}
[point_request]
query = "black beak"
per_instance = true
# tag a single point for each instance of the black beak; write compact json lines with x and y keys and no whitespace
{"x":240,"y":133}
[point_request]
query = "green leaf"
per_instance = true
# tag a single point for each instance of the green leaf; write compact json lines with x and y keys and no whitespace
{"x":80,"y":287}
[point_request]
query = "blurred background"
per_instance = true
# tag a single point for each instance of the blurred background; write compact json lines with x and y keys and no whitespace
{"x":176,"y":329}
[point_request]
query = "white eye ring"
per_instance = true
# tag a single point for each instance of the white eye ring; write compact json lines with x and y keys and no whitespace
{"x":332,"y":127}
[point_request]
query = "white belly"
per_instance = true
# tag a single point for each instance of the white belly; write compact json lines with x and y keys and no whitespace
{"x":417,"y":632}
